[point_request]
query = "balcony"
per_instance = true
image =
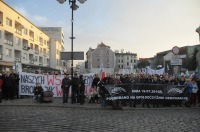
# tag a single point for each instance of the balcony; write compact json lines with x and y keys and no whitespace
{"x":1,"y":23}
{"x":18,"y":59}
{"x":36,"y":51}
{"x":8,"y":42}
{"x":25,"y":47}
{"x":18,"y":31}
{"x":31,"y":62}
{"x":31,"y":38}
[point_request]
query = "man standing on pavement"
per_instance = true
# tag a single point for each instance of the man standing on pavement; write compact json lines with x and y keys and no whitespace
{"x":66,"y":83}
{"x":75,"y":89}
{"x":81,"y":89}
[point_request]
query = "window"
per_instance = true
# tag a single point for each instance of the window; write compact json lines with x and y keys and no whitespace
{"x":40,"y":50}
{"x":122,"y":66}
{"x":119,"y":61}
{"x":108,"y":52}
{"x":122,"y":61}
{"x":9,"y":53}
{"x":45,"y":42}
{"x":41,"y":40}
{"x":9,"y":22}
{"x":25,"y":31}
{"x":127,"y":63}
{"x":44,"y":51}
{"x":131,"y":61}
{"x":127,"y":57}
{"x":25,"y":56}
{"x":17,"y":40}
{"x":48,"y":44}
{"x":36,"y":58}
{"x":57,"y":61}
{"x":119,"y":66}
{"x":45,"y":61}
{"x":31,"y":46}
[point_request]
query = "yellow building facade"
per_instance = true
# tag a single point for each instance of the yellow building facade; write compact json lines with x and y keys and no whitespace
{"x":21,"y":42}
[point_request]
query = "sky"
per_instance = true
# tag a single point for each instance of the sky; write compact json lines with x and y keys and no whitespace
{"x":145,"y":27}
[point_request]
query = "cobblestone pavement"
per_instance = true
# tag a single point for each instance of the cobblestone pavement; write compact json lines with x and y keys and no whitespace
{"x":15,"y":116}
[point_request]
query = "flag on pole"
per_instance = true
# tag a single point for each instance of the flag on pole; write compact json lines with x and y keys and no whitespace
{"x":123,"y":71}
{"x":102,"y":73}
{"x":131,"y":70}
{"x":101,"y":68}
{"x":187,"y":73}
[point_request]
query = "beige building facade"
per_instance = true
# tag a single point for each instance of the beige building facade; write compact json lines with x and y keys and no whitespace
{"x":21,"y":42}
{"x":103,"y":57}
{"x":125,"y":60}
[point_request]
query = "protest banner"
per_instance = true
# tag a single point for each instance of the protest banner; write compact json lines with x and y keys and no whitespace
{"x":48,"y":82}
{"x":154,"y":93}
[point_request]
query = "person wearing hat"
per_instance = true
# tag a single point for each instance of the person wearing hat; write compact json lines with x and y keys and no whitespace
{"x":66,"y":83}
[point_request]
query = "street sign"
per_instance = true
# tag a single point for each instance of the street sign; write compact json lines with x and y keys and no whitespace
{"x":175,"y":50}
{"x":176,"y":62}
{"x":76,"y":55}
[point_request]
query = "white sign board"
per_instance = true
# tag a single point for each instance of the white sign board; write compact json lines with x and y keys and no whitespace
{"x":176,"y":62}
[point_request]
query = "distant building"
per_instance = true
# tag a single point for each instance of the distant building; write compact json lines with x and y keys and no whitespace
{"x":101,"y":57}
{"x":185,"y":53}
{"x":55,"y":49}
{"x":55,"y":33}
{"x":125,"y":60}
{"x":57,"y":46}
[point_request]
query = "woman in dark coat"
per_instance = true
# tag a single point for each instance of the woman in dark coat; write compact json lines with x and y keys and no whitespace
{"x":9,"y":86}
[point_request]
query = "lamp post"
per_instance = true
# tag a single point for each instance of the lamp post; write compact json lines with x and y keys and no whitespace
{"x":73,"y":7}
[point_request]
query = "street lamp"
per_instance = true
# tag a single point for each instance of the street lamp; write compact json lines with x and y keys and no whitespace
{"x":73,"y":6}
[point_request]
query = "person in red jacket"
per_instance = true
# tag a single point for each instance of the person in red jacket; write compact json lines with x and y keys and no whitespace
{"x":1,"y":86}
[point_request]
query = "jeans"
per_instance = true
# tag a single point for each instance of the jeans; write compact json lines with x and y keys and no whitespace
{"x":38,"y":97}
{"x":103,"y":101}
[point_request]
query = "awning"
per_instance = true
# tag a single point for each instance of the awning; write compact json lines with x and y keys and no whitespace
{"x":4,"y":63}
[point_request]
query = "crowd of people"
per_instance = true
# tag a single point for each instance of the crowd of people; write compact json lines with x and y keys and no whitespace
{"x":9,"y":86}
{"x":77,"y":91}
{"x":192,"y":84}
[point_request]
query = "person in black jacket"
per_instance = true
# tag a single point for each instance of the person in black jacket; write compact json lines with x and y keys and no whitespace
{"x":38,"y":93}
{"x":81,"y":89}
{"x":16,"y":79}
{"x":102,"y":92}
{"x":95,"y":80}
{"x":9,"y":86}
{"x":66,"y":83}
{"x":75,"y":89}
